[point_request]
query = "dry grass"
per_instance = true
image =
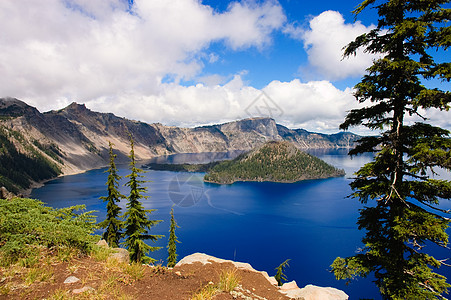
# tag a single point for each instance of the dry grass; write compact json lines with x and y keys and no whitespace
{"x":228,"y":280}
{"x":206,"y":293}
{"x":135,"y":271}
{"x":100,"y":253}
{"x":60,"y":294}
{"x":38,"y":274}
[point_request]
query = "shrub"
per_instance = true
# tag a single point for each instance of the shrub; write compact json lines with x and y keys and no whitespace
{"x":27,"y":226}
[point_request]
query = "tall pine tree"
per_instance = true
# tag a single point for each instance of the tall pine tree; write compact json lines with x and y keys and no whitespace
{"x":112,"y":223}
{"x":403,"y":216}
{"x":137,"y":223}
{"x":172,"y":243}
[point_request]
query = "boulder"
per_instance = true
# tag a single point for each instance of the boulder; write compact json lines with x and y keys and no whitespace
{"x":121,"y":255}
{"x":102,"y":243}
{"x":208,"y":259}
{"x":311,"y":292}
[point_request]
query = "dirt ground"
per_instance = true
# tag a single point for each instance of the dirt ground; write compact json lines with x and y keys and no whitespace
{"x":108,"y":281}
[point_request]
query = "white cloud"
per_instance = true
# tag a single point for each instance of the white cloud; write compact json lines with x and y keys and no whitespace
{"x":84,"y":50}
{"x":324,"y":42}
{"x":316,"y":105}
{"x":54,"y":52}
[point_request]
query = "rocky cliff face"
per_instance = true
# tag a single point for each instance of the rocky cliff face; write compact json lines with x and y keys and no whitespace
{"x":79,"y":136}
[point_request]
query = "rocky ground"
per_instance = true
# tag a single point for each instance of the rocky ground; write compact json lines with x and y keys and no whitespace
{"x":98,"y":280}
{"x":93,"y":278}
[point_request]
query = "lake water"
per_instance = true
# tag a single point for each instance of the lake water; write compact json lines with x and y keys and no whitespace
{"x":310,"y":222}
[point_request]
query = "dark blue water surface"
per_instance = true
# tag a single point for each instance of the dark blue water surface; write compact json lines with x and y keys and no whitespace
{"x":311,"y":222}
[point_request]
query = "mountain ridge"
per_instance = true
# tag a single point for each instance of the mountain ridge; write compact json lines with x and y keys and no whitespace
{"x":76,"y":138}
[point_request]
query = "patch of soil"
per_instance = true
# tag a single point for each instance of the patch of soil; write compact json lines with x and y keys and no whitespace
{"x":111,"y":282}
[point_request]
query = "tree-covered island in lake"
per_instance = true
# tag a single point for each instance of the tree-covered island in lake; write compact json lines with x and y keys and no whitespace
{"x":276,"y":161}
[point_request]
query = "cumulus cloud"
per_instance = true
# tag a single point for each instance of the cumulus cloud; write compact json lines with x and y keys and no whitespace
{"x":324,"y":41}
{"x":64,"y":50}
{"x":316,"y":105}
{"x":131,"y":60}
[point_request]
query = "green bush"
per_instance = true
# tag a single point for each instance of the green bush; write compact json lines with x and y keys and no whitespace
{"x":27,"y":227}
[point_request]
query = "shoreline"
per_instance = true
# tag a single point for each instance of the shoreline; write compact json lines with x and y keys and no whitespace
{"x":145,"y":162}
{"x":35,"y":185}
{"x":274,"y":181}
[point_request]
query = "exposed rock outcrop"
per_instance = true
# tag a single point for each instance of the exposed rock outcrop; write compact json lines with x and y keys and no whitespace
{"x":290,"y":289}
{"x":311,"y":292}
{"x":5,"y":194}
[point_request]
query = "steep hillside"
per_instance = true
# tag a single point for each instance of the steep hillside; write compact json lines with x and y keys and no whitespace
{"x":18,"y":170}
{"x":75,"y":139}
{"x":278,"y":161}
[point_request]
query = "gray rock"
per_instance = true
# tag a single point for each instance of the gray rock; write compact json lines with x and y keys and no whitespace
{"x":311,"y":292}
{"x":121,"y":255}
{"x":5,"y":194}
{"x":102,"y":243}
{"x":208,"y":259}
{"x":71,"y":279}
{"x":82,"y":290}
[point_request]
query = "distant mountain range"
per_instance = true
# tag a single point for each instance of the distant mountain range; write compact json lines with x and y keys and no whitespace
{"x":75,"y":139}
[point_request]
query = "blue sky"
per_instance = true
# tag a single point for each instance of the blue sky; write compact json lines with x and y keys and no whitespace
{"x":187,"y":62}
{"x":285,"y":57}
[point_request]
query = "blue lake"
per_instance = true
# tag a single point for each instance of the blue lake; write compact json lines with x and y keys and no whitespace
{"x":311,"y":222}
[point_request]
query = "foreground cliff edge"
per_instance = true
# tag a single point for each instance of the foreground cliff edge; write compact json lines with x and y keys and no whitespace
{"x":289,"y":289}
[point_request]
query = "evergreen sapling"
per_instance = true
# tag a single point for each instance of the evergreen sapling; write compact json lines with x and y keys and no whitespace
{"x":137,"y":223}
{"x":172,"y":243}
{"x":112,"y":223}
{"x":280,"y":275}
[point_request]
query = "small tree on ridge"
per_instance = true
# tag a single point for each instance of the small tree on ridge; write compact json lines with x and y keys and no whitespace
{"x":137,"y":223}
{"x":112,"y":223}
{"x":172,"y":243}
{"x":280,"y":275}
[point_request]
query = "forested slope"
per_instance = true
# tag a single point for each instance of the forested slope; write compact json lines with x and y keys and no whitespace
{"x":274,"y":161}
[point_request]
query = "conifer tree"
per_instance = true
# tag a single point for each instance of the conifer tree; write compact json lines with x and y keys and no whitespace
{"x":172,"y":243}
{"x":280,"y":275}
{"x":402,"y":217}
{"x":112,"y":223}
{"x":137,"y":223}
